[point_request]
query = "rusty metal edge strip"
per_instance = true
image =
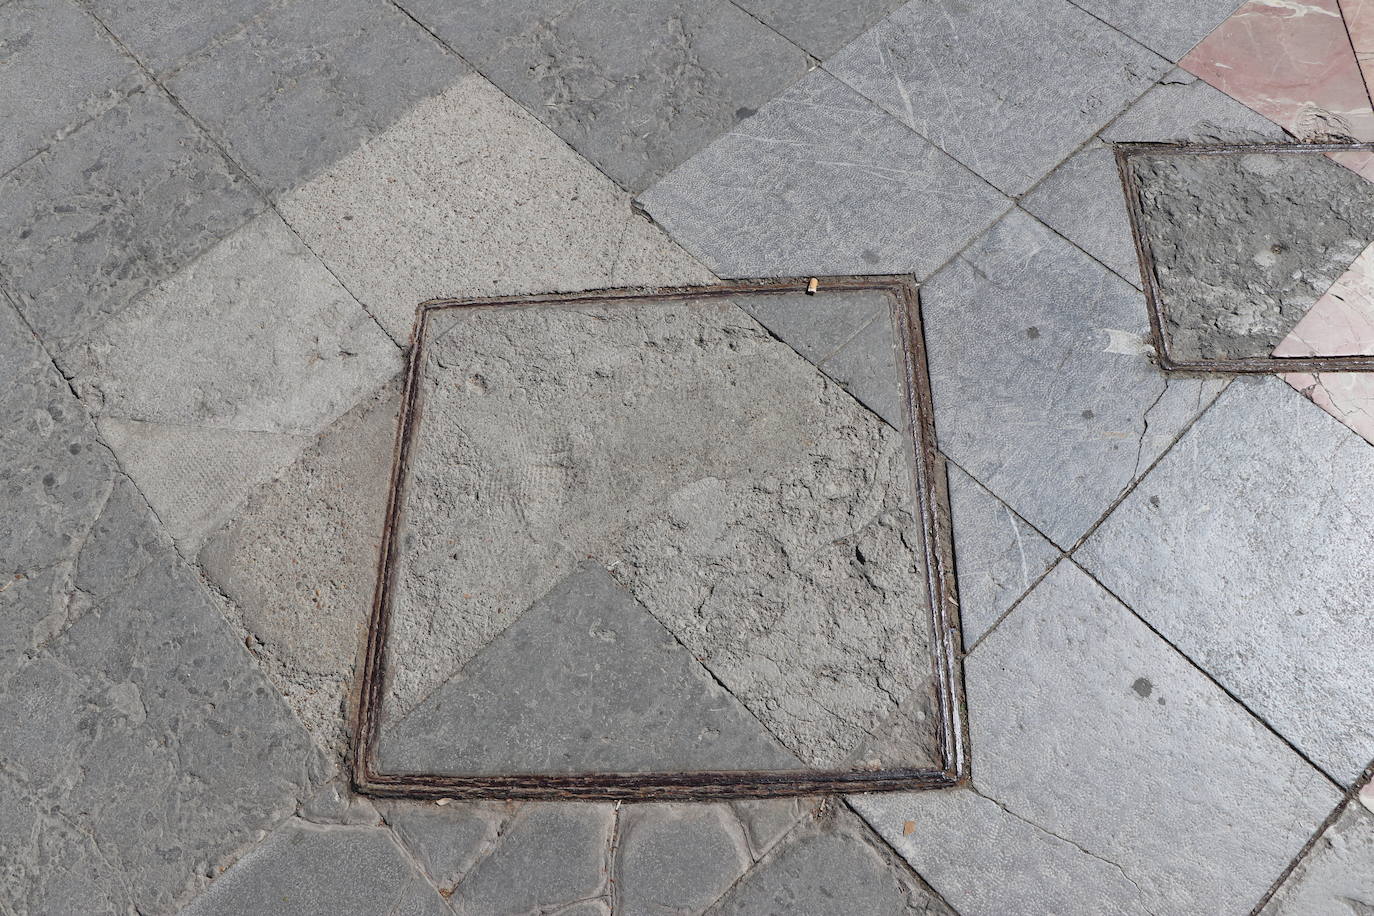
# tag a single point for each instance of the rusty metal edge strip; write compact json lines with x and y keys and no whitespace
{"x":1150,"y":283}
{"x":931,"y":494}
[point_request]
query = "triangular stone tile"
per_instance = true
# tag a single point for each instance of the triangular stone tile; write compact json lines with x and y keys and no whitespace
{"x":585,"y":681}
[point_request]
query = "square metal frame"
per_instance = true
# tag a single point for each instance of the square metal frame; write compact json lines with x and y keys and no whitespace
{"x":1150,"y":281}
{"x":930,"y":487}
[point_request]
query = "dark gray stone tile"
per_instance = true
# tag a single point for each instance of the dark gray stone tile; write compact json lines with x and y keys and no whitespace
{"x":833,"y":867}
{"x":1007,"y":89}
{"x":285,"y":115}
{"x":448,"y":840}
{"x":1250,"y":547}
{"x":1043,"y":387}
{"x":767,"y":820}
{"x":822,"y":27}
{"x":123,"y":202}
{"x":305,"y":870}
{"x":867,"y":367}
{"x":585,"y":681}
{"x":676,"y":859}
{"x":636,"y":86}
{"x":1337,"y":874}
{"x":816,"y":325}
{"x":821,"y":181}
{"x":1082,"y":199}
{"x":1170,"y":27}
{"x":58,"y":69}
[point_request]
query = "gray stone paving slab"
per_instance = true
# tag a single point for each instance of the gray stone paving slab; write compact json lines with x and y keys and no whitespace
{"x":1337,"y":874}
{"x":163,"y":33}
{"x":20,"y":349}
{"x":471,"y":171}
{"x":676,"y":859}
{"x":58,"y":69}
{"x":821,"y":27}
{"x":1043,"y":388}
{"x":285,"y":115}
{"x":1090,"y":727}
{"x":636,"y":86}
{"x":997,"y":555}
{"x":448,"y":840}
{"x":817,"y":325}
{"x":305,"y":870}
{"x":299,"y":563}
{"x":119,"y":205}
{"x":1170,"y":28}
{"x":586,"y":680}
{"x":1239,"y":255}
{"x":1250,"y":548}
{"x":868,"y":367}
{"x":821,"y":181}
{"x":1008,"y":90}
{"x":832,"y":867}
{"x":1082,"y":199}
{"x":766,"y":821}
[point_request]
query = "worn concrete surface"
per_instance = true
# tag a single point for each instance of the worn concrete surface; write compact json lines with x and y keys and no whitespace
{"x":1337,"y":874}
{"x":1273,"y":608}
{"x":822,"y":181}
{"x":1239,"y":251}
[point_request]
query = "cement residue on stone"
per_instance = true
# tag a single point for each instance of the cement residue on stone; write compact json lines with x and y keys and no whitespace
{"x":1245,"y":244}
{"x":759,"y":512}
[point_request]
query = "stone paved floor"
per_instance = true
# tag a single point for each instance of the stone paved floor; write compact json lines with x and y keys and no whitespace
{"x":215,"y":224}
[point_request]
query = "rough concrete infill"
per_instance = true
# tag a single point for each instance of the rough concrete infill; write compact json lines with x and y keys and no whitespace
{"x":755,"y":509}
{"x":1245,"y":244}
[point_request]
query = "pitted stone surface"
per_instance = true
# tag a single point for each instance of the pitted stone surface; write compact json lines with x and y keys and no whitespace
{"x":1337,"y":874}
{"x":1245,"y":244}
{"x":759,"y":512}
{"x":676,"y":859}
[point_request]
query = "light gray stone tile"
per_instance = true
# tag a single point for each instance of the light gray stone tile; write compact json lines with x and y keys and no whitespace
{"x":822,"y":27}
{"x":122,"y":203}
{"x":448,"y":840}
{"x":305,"y":870}
{"x":1043,"y":387}
{"x":1337,"y":874}
{"x":997,"y":555}
{"x":676,"y":859}
{"x":1082,"y":199}
{"x":867,"y":366}
{"x":820,"y":181}
{"x":1093,"y":729}
{"x":819,"y":324}
{"x":1250,"y":548}
{"x":1170,"y":28}
{"x":636,"y":86}
{"x":285,"y":115}
{"x":471,"y":171}
{"x":832,"y":867}
{"x":551,"y":854}
{"x":163,"y":33}
{"x":58,"y":68}
{"x":1008,"y":90}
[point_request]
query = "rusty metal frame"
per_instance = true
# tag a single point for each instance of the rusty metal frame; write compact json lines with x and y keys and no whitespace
{"x":1150,"y":280}
{"x":932,"y":499}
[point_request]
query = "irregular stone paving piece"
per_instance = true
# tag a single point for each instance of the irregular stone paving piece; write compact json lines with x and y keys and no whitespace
{"x":58,"y":68}
{"x":676,"y":859}
{"x":715,"y":527}
{"x":1337,"y":874}
{"x":550,"y":854}
{"x":448,"y":840}
{"x":767,"y":820}
{"x":821,"y":181}
{"x":989,"y":862}
{"x":819,"y":26}
{"x":1238,"y":256}
{"x":1341,"y":323}
{"x":584,"y":681}
{"x":1008,"y":90}
{"x":832,"y":867}
{"x":586,"y":908}
{"x":163,"y":33}
{"x":255,"y":335}
{"x":20,"y":350}
{"x":997,"y":555}
{"x":285,"y":115}
{"x":299,"y":563}
{"x":1043,"y":388}
{"x":333,"y":803}
{"x":1090,"y":727}
{"x":1275,"y":613}
{"x":472,"y":172}
{"x":636,"y":86}
{"x":122,"y":203}
{"x":1082,"y":199}
{"x":1170,"y":28}
{"x":1347,"y":396}
{"x":305,"y":870}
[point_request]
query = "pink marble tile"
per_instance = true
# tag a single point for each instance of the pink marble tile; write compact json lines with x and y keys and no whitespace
{"x":1291,"y":61}
{"x":1347,"y":396}
{"x":1341,"y":322}
{"x":1359,"y":21}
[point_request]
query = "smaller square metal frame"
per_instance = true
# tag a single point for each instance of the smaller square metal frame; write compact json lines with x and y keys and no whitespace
{"x":932,"y":499}
{"x":1150,"y":281}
